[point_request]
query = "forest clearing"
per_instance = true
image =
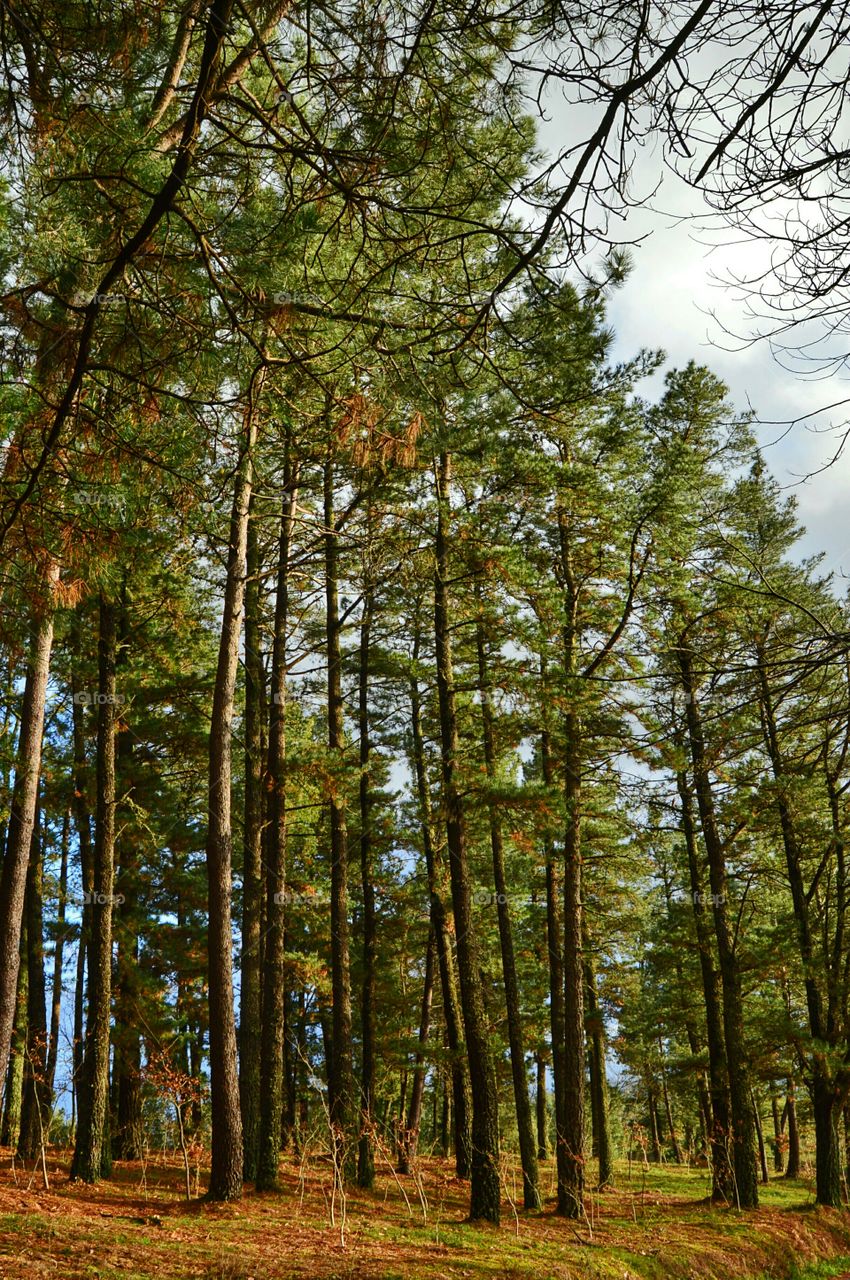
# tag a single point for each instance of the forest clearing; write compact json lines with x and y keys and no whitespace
{"x":657,"y":1226}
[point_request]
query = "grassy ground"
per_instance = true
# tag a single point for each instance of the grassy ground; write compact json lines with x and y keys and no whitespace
{"x":654,"y":1226}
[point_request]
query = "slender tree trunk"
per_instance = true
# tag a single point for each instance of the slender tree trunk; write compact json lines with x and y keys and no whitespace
{"x":598,"y":1071}
{"x":792,"y":1168}
{"x":35,"y":1107}
{"x":825,"y":1090}
{"x":366,"y":1156}
{"x":522,"y":1104}
{"x":654,"y":1127}
{"x":778,"y":1161}
{"x":58,"y":956}
{"x":557,"y":1013}
{"x":668,"y":1110}
{"x":274,"y":971}
{"x":484,"y":1188}
{"x":14,"y":1083}
{"x":573,"y":1120}
{"x":721,"y":1167}
{"x":91,"y":1151}
{"x":451,"y":1017}
{"x":743,"y":1123}
{"x":128,"y":1136}
{"x":570,"y":1198}
{"x":21,"y":819}
{"x":765,"y":1176}
{"x":227,"y":1149}
{"x":540,"y":1102}
{"x":82,"y":825}
{"x":342,"y":1089}
{"x":410,"y":1136}
{"x":250,"y":1036}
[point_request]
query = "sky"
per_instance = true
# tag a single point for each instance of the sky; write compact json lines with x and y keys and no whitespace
{"x":679,"y":297}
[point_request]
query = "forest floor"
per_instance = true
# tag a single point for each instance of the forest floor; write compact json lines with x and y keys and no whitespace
{"x":139,"y":1226}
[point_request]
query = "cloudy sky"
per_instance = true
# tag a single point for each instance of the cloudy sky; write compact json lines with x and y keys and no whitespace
{"x":675,"y":299}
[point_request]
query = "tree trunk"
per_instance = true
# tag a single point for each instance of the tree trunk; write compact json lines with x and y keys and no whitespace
{"x":573,"y":1130}
{"x":825,"y":1105}
{"x":437,"y":910}
{"x":743,"y":1124}
{"x":824,"y":1088}
{"x":522,"y":1104}
{"x":410,"y":1136}
{"x":668,"y":1112}
{"x":484,"y":1189}
{"x":540,"y":1103}
{"x":21,"y":820}
{"x":557,"y":1014}
{"x":342,"y":1094}
{"x":778,"y":1162}
{"x":250,"y":1036}
{"x":765,"y":1176}
{"x":722,"y":1180}
{"x":91,"y":1151}
{"x":595,"y":1030}
{"x":366,"y":1155}
{"x":792,"y":1168}
{"x":58,"y":956}
{"x":35,"y":1106}
{"x":128,"y":1136}
{"x":227,"y":1150}
{"x":14,"y":1084}
{"x":82,"y":825}
{"x":654,"y":1127}
{"x":274,"y":943}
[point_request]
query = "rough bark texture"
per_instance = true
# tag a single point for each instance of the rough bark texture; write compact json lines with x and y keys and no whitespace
{"x":21,"y":820}
{"x":365,"y":1154}
{"x":58,"y":955}
{"x":595,"y":1027}
{"x":743,"y":1136}
{"x":484,"y":1180}
{"x":274,"y":941}
{"x":522,"y":1104}
{"x":35,"y":1106}
{"x":410,"y":1135}
{"x":91,"y":1149}
{"x":827,"y":1087}
{"x":227,"y":1151}
{"x":342,"y":1090}
{"x":439,"y":924}
{"x":252,"y":867}
{"x":722,"y":1179}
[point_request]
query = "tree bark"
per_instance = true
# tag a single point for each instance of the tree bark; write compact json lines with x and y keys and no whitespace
{"x":250,"y":1021}
{"x":35,"y":1105}
{"x":484,"y":1181}
{"x":21,"y":820}
{"x":595,"y":1028}
{"x":522,"y":1104}
{"x":58,"y":955}
{"x":778,"y":1161}
{"x":91,"y":1151}
{"x":227,"y":1149}
{"x":792,"y":1167}
{"x":366,"y":1155}
{"x":437,"y":911}
{"x":274,"y":956}
{"x":410,"y":1136}
{"x":722,"y":1180}
{"x":540,"y":1104}
{"x":342,"y":1089}
{"x":825,"y":1086}
{"x":743,"y":1124}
